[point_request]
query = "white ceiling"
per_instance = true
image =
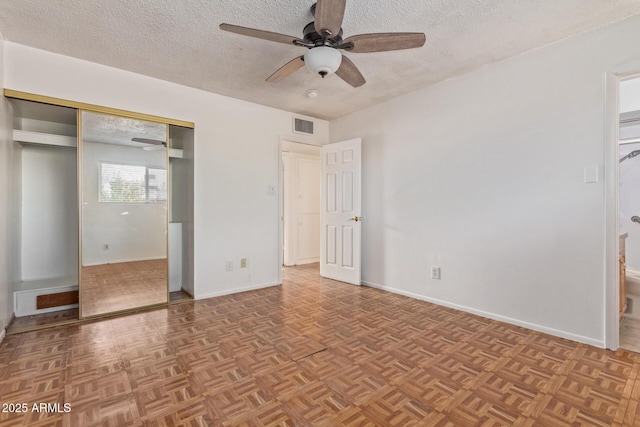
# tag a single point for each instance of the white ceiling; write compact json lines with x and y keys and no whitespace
{"x":107,"y":129}
{"x":179,"y":41}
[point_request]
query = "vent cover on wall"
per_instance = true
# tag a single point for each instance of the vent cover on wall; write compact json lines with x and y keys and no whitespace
{"x":302,"y":126}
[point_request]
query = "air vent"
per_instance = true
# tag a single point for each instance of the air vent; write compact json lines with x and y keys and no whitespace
{"x":302,"y":126}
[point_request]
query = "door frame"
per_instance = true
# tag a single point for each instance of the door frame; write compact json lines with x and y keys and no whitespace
{"x":283,"y":138}
{"x":611,"y":295}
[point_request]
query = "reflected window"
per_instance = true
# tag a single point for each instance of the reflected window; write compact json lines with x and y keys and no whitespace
{"x":121,"y":183}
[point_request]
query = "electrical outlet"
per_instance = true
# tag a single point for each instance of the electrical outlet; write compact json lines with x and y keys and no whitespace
{"x":271,"y":190}
{"x":435,"y":273}
{"x":243,"y":263}
{"x":229,"y":265}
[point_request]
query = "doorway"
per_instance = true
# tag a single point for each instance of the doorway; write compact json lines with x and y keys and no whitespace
{"x":629,"y":212}
{"x":338,"y":218}
{"x":300,"y":188}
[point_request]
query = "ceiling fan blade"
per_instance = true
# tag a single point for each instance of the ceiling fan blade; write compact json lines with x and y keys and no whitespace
{"x":350,"y":73}
{"x":380,"y":42}
{"x":154,"y":148}
{"x":149,"y":141}
{"x":286,"y":69}
{"x":328,"y":16}
{"x":260,"y":34}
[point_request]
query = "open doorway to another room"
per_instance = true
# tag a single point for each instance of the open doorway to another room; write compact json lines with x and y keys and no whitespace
{"x":300,"y":205}
{"x":629,"y":213}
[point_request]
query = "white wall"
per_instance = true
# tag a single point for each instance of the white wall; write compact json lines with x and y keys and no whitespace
{"x":483,"y":175}
{"x":234,"y":161}
{"x":7,"y":224}
{"x":132,"y":231}
{"x":49,"y":232}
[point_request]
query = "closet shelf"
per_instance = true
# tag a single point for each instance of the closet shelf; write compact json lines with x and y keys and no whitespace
{"x":44,"y":138}
{"x":176,"y":153}
{"x":52,"y":283}
{"x":65,"y":141}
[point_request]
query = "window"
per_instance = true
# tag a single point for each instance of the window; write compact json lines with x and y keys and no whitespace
{"x":132,"y":184}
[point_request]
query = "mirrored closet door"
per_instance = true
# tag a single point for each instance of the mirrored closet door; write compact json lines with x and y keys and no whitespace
{"x":123,"y":214}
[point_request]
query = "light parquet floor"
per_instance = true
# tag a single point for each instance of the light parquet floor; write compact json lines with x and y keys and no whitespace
{"x":36,"y":321}
{"x":107,"y":288}
{"x":313,"y":352}
{"x":64,"y":317}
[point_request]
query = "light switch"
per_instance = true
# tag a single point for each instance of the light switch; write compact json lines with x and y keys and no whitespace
{"x":271,"y":190}
{"x":591,"y":175}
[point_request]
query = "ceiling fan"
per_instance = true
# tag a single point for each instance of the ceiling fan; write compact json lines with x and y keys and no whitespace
{"x":154,"y":144}
{"x":323,"y":38}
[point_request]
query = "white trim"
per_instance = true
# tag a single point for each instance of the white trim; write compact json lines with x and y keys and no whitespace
{"x":489,"y":315}
{"x":611,"y":277}
{"x":236,"y":290}
{"x":307,"y":261}
{"x":92,"y":264}
{"x":280,"y":209}
{"x":3,"y":333}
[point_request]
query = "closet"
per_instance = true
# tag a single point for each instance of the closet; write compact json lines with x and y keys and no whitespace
{"x":104,"y":209}
{"x":45,"y":220}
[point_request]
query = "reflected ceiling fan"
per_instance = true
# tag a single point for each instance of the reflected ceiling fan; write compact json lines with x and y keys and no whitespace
{"x":323,"y":38}
{"x":154,"y":144}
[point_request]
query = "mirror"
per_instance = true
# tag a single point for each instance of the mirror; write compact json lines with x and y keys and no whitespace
{"x":123,"y":214}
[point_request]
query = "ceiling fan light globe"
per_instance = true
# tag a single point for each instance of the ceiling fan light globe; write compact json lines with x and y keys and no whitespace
{"x":323,"y":60}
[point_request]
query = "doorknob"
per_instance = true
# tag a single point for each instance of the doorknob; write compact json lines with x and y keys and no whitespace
{"x":355,"y":218}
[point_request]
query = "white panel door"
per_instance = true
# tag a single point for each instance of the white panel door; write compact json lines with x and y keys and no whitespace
{"x":340,"y":211}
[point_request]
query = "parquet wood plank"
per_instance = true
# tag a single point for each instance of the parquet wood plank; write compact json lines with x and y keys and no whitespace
{"x":314,"y":352}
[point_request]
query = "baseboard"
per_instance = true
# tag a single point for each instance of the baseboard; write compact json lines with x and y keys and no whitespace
{"x":121,"y":261}
{"x":236,"y":290}
{"x":3,"y":329}
{"x":308,"y":261}
{"x":494,"y":316}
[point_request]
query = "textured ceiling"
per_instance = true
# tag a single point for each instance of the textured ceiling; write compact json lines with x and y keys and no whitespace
{"x":179,"y":41}
{"x":107,"y":129}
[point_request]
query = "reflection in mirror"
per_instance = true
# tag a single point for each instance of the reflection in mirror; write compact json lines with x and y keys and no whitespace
{"x":123,"y":214}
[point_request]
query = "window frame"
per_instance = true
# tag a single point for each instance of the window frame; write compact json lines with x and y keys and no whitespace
{"x":147,"y":169}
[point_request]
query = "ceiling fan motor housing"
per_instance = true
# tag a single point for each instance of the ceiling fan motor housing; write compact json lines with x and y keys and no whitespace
{"x":310,"y":35}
